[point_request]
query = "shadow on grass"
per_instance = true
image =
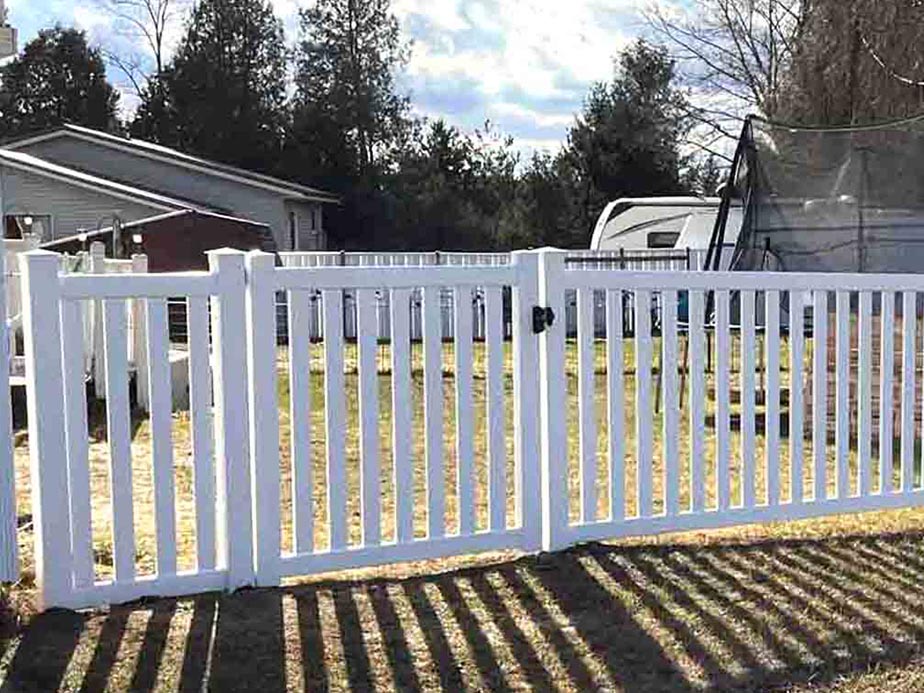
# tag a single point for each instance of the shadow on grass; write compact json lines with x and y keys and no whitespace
{"x":667,"y":617}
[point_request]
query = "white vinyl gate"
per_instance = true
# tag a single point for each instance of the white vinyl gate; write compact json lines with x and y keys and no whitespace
{"x":436,"y":538}
{"x":546,"y":450}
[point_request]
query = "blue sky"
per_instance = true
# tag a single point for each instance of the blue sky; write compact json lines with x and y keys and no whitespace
{"x":524,"y":64}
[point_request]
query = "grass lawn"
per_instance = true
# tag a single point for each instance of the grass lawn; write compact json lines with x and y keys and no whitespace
{"x":797,"y":604}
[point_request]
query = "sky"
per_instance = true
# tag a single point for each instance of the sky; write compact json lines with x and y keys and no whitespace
{"x":525,"y":65}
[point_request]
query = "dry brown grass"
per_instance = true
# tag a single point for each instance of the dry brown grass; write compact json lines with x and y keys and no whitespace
{"x":802,"y":614}
{"x":685,"y":611}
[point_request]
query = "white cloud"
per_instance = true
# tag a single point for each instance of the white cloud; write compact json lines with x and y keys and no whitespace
{"x":520,"y":61}
{"x":525,"y":64}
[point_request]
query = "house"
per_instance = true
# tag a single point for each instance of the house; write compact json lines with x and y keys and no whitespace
{"x":174,"y":241}
{"x":75,"y":180}
{"x":52,"y":201}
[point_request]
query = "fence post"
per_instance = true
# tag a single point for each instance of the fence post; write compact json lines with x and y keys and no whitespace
{"x":9,"y":547}
{"x":98,"y":266}
{"x":47,"y":445}
{"x":264,"y":414}
{"x":140,"y":339}
{"x":526,"y":420}
{"x":553,"y":395}
{"x":233,"y":508}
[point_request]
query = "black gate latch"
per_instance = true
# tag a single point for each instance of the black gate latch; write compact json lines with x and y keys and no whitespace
{"x":543,"y":318}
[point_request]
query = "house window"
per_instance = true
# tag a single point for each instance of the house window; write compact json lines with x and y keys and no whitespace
{"x":19,"y":225}
{"x":662,"y":239}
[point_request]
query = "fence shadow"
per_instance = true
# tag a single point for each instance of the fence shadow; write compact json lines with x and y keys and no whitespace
{"x":642,"y":618}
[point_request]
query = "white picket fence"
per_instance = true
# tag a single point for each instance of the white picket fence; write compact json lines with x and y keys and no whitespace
{"x":662,"y":260}
{"x":513,"y":479}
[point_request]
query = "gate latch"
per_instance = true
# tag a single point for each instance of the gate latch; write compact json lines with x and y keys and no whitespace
{"x":543,"y":318}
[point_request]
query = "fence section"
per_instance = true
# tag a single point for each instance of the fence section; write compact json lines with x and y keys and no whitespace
{"x":419,"y":490}
{"x":792,"y":434}
{"x":74,"y":519}
{"x":708,"y":399}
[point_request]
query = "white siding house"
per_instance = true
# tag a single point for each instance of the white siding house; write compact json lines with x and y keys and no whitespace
{"x":294,"y":212}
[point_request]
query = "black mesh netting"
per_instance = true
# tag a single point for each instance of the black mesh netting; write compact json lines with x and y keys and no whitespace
{"x":843,"y":200}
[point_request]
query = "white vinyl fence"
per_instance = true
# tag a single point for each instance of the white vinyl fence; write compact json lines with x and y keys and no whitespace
{"x":703,"y":471}
{"x":320,"y":456}
{"x":58,"y":438}
{"x":672,"y":260}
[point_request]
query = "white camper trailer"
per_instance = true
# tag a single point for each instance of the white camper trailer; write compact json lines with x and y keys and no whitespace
{"x":663,"y":223}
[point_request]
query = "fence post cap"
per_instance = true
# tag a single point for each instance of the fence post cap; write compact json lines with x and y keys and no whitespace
{"x":38,"y":258}
{"x":225,"y":251}
{"x":260,"y":257}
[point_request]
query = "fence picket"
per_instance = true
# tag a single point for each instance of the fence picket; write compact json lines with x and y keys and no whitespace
{"x":433,"y":412}
{"x":335,"y":418}
{"x":118,"y":426}
{"x":587,"y":406}
{"x":615,"y":383}
{"x":697,"y":351}
{"x":722,"y":384}
{"x":842,"y":385}
{"x":748,"y":394}
{"x":671,"y":403}
{"x":299,"y":312}
{"x":161,"y":407}
{"x":497,"y":453}
{"x":820,"y":393}
{"x":643,"y":415}
{"x":401,"y":415}
{"x":78,"y":462}
{"x":200,"y":412}
{"x":772,"y":409}
{"x":886,"y":369}
{"x":796,"y":399}
{"x":370,"y":474}
{"x":909,"y":358}
{"x":465,"y":429}
{"x":865,"y":393}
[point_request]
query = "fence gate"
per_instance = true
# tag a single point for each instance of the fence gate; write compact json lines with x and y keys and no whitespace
{"x":444,"y":482}
{"x":83,"y":507}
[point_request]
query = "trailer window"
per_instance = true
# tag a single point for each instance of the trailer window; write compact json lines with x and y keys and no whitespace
{"x":662,"y":239}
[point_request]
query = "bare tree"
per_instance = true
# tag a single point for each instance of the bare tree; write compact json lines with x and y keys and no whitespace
{"x":858,"y":61}
{"x":733,"y":55}
{"x":145,"y":23}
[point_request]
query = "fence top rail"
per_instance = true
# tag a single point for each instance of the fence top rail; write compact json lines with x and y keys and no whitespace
{"x":320,"y":278}
{"x":115,"y":286}
{"x":591,"y":278}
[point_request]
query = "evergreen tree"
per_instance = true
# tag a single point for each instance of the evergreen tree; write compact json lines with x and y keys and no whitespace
{"x":57,"y":79}
{"x":626,"y":141}
{"x":223,"y":95}
{"x":348,"y":119}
